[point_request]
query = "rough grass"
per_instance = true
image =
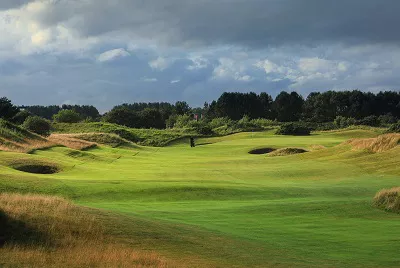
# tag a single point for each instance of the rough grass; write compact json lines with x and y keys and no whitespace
{"x":16,"y":139}
{"x":287,"y":151}
{"x":71,"y":142}
{"x":112,"y":140}
{"x":46,"y":231}
{"x":388,"y":199}
{"x":379,"y":144}
{"x":147,"y":137}
{"x":218,"y":204}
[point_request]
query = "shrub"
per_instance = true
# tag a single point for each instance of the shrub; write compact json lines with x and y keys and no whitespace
{"x":371,"y":121}
{"x":20,"y":117}
{"x":293,"y":129}
{"x":37,"y":125}
{"x":183,"y":121}
{"x":263,"y":123}
{"x":387,"y":119}
{"x":201,"y":127}
{"x":221,"y":121}
{"x":67,"y":116}
{"x":343,"y":122}
{"x":394,"y":128}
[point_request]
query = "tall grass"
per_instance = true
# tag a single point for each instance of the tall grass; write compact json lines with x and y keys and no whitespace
{"x":379,"y":144}
{"x":46,"y":231}
{"x":388,"y":199}
{"x":71,"y":142}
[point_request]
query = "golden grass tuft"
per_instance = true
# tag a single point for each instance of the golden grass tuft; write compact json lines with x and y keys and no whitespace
{"x":287,"y":151}
{"x":379,"y":144}
{"x":25,"y":146}
{"x":70,"y":141}
{"x":52,"y":232}
{"x":316,"y":147}
{"x":388,"y":199}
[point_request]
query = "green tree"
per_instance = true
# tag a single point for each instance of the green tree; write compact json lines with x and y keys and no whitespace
{"x":67,"y":116}
{"x":7,"y":109}
{"x":37,"y":125}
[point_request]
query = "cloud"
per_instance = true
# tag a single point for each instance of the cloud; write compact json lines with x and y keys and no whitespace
{"x":7,"y":4}
{"x":146,"y":79}
{"x":252,"y":23}
{"x":160,"y":63}
{"x":175,"y":81}
{"x":113,"y":54}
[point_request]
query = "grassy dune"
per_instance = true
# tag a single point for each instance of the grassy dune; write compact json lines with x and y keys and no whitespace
{"x":216,"y":205}
{"x":45,"y":231}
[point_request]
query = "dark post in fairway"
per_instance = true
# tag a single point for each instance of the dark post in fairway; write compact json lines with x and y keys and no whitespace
{"x":192,"y":142}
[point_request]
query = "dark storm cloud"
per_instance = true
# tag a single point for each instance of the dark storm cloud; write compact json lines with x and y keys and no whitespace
{"x":255,"y":23}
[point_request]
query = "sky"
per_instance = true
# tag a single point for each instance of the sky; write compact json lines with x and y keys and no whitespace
{"x":105,"y":53}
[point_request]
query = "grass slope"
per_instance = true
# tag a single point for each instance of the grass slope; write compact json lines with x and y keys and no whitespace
{"x":217,"y":205}
{"x":147,"y":137}
{"x":16,"y":139}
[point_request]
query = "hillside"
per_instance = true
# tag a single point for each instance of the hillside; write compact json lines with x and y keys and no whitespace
{"x":17,"y":139}
{"x":146,"y":137}
{"x":216,"y":205}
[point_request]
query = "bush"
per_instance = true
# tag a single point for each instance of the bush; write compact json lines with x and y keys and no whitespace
{"x":293,"y":129}
{"x":394,"y":128}
{"x":37,"y":125}
{"x":371,"y":121}
{"x":20,"y":117}
{"x":183,"y":121}
{"x":263,"y":123}
{"x":343,"y":122}
{"x":387,"y":119}
{"x":67,"y":116}
{"x":221,"y":121}
{"x":201,"y":127}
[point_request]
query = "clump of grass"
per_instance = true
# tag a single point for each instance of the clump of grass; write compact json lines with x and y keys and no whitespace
{"x":46,"y":231}
{"x":287,"y":151}
{"x":388,"y":199}
{"x":379,"y":144}
{"x":71,"y":142}
{"x":112,"y":140}
{"x":16,"y":139}
{"x":146,"y":137}
{"x":316,"y":147}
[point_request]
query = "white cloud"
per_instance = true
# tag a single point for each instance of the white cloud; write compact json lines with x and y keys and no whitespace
{"x":113,"y":55}
{"x":198,"y":62}
{"x":175,"y":81}
{"x":160,"y":63}
{"x":150,"y":80}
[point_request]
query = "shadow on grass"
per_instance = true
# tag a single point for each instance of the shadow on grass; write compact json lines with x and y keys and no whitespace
{"x":17,"y":232}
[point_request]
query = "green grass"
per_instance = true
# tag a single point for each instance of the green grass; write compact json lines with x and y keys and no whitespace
{"x":217,"y":205}
{"x":146,"y":137}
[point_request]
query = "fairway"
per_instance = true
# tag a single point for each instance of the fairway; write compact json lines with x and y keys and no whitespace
{"x":217,"y":205}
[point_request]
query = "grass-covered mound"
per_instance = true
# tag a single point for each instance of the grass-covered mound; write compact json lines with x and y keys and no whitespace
{"x":388,"y":199}
{"x":147,"y":137}
{"x":112,"y":140}
{"x":71,"y":142}
{"x":16,"y":139}
{"x":379,"y":144}
{"x":287,"y":151}
{"x":45,"y":231}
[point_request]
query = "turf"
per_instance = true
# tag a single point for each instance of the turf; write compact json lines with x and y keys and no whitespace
{"x":217,"y":205}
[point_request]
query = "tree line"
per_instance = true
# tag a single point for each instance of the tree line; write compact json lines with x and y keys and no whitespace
{"x":343,"y":107}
